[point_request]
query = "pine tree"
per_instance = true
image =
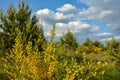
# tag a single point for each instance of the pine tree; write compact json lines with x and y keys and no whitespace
{"x":69,"y":39}
{"x":19,"y":19}
{"x":88,"y":42}
{"x":98,"y":44}
{"x":113,"y":48}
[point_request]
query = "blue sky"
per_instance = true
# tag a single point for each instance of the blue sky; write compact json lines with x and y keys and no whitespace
{"x":94,"y":19}
{"x":35,"y":5}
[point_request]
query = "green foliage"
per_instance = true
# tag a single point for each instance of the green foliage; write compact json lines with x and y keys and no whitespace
{"x":91,"y":43}
{"x":88,"y":42}
{"x":90,"y":46}
{"x":19,"y":19}
{"x":25,"y":63}
{"x":69,"y":40}
{"x":30,"y":57}
{"x":113,"y":48}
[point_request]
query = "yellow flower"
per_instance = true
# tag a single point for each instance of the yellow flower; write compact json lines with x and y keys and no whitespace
{"x":103,"y":72}
{"x":98,"y":62}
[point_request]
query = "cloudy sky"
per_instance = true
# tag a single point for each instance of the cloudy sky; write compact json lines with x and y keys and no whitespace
{"x":94,"y":19}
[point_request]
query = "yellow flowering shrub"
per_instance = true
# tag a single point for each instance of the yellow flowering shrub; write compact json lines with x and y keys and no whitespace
{"x":25,"y":62}
{"x":87,"y":70}
{"x":87,"y":49}
{"x":31,"y":57}
{"x":49,"y":56}
{"x":16,"y":65}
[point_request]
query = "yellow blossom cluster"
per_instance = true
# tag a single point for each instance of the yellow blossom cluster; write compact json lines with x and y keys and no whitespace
{"x":25,"y":62}
{"x":85,"y":71}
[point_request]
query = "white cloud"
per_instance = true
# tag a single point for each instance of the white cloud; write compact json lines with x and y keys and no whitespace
{"x":66,"y":18}
{"x":104,"y":34}
{"x":110,"y":38}
{"x":106,"y":11}
{"x":45,"y":15}
{"x":64,"y":22}
{"x":60,"y":16}
{"x":95,"y":28}
{"x":74,"y":26}
{"x":95,"y":13}
{"x":67,"y":8}
{"x":48,"y":16}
